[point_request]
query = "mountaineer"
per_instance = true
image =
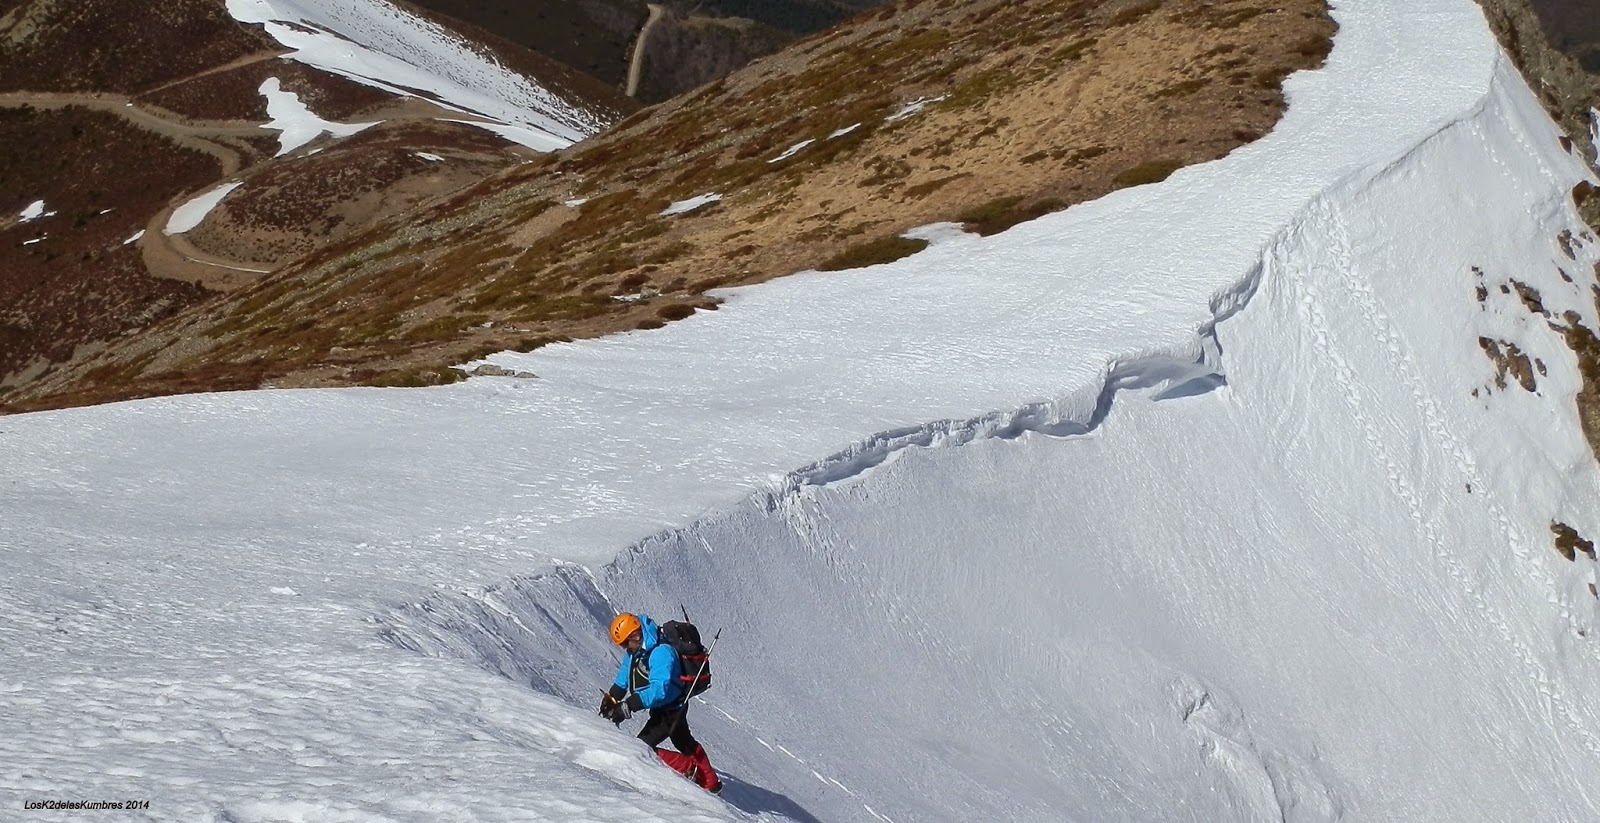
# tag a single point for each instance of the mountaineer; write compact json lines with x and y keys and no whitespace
{"x":663,"y":667}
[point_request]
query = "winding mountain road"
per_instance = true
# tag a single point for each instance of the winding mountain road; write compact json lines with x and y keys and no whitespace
{"x":637,"y":64}
{"x":170,"y":256}
{"x":200,"y":136}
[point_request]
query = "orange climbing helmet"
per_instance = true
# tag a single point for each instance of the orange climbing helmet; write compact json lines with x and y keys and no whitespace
{"x":623,"y":625}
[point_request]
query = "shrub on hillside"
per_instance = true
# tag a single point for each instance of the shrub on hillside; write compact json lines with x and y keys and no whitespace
{"x":874,"y":252}
{"x":1153,"y":171}
{"x":415,"y":378}
{"x":1002,"y":213}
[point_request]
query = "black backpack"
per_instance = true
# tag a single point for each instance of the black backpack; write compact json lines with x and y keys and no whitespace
{"x":685,"y":640}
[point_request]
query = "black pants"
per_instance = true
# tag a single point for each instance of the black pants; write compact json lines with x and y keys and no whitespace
{"x":673,"y":723}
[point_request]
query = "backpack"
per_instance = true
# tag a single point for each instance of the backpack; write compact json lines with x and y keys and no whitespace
{"x":685,"y":640}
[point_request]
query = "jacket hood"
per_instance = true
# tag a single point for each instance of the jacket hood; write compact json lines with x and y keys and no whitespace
{"x":648,"y":633}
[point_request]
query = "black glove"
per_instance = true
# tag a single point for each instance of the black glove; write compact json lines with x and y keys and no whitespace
{"x":618,"y":713}
{"x":634,"y":704}
{"x":615,"y":709}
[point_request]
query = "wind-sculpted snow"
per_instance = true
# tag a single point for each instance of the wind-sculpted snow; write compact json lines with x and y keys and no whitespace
{"x":1281,"y":601}
{"x":1240,"y":526}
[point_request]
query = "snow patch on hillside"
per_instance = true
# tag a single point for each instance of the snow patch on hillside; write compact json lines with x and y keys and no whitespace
{"x":193,"y":212}
{"x":913,"y":108}
{"x":1221,"y":583}
{"x":792,"y":150}
{"x":690,"y":204}
{"x":381,"y":45}
{"x":34,"y":211}
{"x":297,"y":123}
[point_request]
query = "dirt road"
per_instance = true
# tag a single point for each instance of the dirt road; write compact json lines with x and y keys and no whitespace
{"x":201,"y":136}
{"x":635,"y":67}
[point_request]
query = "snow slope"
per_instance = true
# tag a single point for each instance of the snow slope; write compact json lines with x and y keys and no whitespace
{"x":379,"y":44}
{"x":1178,"y":505}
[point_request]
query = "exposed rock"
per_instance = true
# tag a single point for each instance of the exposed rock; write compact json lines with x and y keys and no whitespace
{"x":491,"y":370}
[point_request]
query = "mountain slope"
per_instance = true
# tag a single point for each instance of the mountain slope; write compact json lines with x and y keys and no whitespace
{"x":1202,"y":501}
{"x":113,"y":135}
{"x":593,"y":36}
{"x":989,"y":114}
{"x":703,"y":42}
{"x":686,"y":51}
{"x":106,"y":45}
{"x":379,"y":44}
{"x":1573,"y":27}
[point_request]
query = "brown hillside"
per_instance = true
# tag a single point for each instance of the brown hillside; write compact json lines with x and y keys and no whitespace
{"x":86,"y":88}
{"x":1028,"y":107}
{"x":798,"y":17}
{"x":116,"y":45}
{"x":234,"y":93}
{"x":291,"y":207}
{"x":81,"y":283}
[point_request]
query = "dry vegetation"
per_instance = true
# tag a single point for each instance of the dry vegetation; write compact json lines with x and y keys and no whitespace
{"x":286,"y":209}
{"x":115,"y":45}
{"x":80,"y":283}
{"x":234,"y":94}
{"x":1031,"y":106}
{"x":116,"y":113}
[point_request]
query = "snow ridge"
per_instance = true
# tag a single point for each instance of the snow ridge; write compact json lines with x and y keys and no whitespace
{"x":542,"y":630}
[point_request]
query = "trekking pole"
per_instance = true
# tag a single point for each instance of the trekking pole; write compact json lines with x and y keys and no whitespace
{"x":704,"y":663}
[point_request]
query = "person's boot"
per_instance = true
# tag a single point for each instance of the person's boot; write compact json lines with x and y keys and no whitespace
{"x":705,"y":775}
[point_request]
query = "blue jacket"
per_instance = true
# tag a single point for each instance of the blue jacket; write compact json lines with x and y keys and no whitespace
{"x":663,"y":689}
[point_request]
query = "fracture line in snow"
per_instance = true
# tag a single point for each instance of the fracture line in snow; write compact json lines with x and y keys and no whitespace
{"x":1073,"y":415}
